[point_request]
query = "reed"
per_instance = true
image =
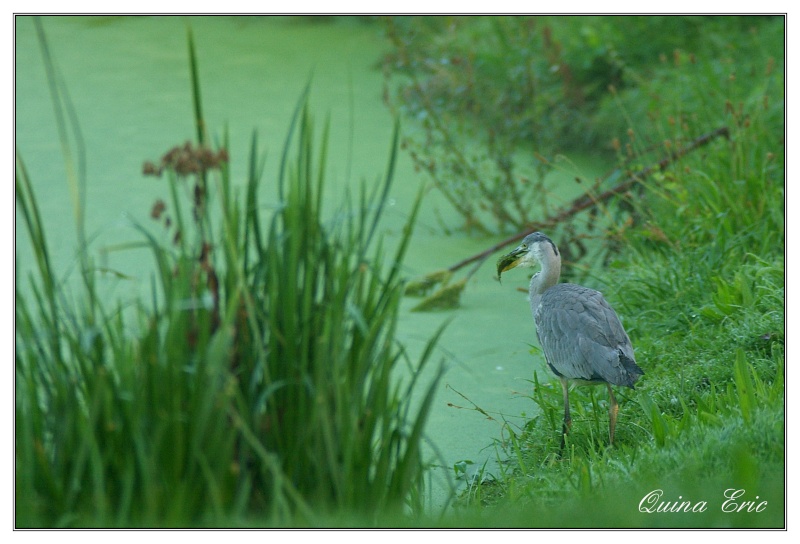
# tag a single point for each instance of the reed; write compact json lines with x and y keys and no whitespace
{"x":260,"y":384}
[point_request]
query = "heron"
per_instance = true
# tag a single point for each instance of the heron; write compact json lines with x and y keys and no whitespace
{"x":580,"y":334}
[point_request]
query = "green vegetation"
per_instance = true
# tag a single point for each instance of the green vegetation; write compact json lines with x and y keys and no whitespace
{"x":498,"y":101}
{"x":262,"y":384}
{"x":694,"y":262}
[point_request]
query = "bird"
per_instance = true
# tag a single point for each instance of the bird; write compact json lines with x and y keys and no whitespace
{"x":580,"y":334}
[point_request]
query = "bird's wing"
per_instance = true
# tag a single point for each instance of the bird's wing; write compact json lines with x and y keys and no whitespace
{"x":582,"y":336}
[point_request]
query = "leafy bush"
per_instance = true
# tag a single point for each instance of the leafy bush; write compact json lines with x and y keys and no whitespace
{"x":495,"y":100}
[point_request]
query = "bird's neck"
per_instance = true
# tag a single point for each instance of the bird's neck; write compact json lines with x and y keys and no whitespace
{"x":544,"y":280}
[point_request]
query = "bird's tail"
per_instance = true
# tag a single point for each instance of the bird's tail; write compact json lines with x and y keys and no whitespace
{"x":632,"y":370}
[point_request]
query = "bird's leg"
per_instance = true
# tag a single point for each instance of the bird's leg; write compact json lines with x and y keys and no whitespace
{"x":567,"y":418}
{"x":613,"y":410}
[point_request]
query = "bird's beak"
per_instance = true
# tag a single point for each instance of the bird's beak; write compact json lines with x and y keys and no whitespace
{"x":509,"y":261}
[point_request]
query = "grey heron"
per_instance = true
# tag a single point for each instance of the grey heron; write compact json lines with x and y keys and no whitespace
{"x":580,"y":334}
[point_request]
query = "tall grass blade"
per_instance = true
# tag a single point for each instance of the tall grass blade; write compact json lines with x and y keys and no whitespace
{"x":200,"y":126}
{"x":744,"y":385}
{"x":64,"y":110}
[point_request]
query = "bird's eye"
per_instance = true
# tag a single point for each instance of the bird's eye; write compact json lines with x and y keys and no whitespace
{"x":524,"y":246}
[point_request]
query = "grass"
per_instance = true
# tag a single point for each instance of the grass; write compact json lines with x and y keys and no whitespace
{"x":708,"y":416}
{"x":261,"y":383}
{"x":699,"y":281}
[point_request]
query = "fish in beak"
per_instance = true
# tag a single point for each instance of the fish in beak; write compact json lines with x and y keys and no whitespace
{"x":510,"y":260}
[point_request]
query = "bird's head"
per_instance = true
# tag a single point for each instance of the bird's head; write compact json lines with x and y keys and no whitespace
{"x":535,"y":247}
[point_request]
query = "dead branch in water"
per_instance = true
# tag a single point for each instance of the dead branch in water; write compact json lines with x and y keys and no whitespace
{"x":583,"y":202}
{"x":586,"y":201}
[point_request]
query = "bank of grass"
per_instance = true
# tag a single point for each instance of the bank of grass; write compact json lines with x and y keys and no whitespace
{"x":699,"y":283}
{"x":708,"y":416}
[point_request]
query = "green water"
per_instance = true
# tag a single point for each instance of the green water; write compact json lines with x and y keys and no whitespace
{"x":129,"y":80}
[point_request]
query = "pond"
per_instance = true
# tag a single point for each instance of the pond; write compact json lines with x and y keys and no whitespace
{"x":128,"y":78}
